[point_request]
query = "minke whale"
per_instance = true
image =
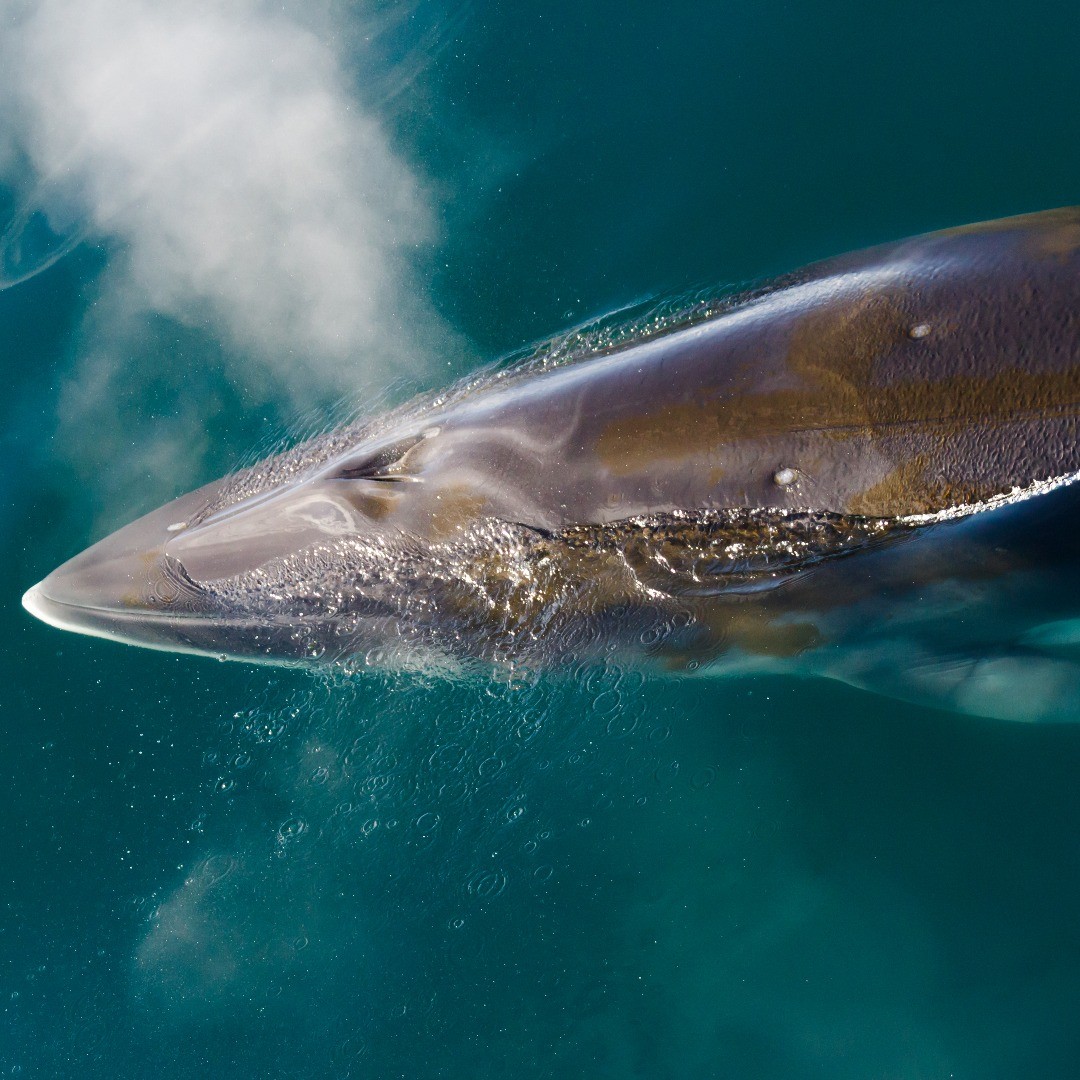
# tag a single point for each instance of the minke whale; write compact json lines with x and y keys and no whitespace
{"x":862,"y":471}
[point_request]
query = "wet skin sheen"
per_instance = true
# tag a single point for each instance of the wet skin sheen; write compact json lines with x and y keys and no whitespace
{"x":791,"y":484}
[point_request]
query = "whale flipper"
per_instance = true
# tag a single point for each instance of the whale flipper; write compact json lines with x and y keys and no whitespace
{"x":1022,"y":685}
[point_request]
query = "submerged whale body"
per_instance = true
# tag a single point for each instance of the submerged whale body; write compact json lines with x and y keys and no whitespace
{"x":861,"y":472}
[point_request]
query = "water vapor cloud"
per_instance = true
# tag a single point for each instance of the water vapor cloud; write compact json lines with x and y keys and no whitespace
{"x":221,"y":152}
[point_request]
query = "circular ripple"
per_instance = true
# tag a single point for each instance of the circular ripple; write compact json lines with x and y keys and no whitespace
{"x":487,"y":884}
{"x":703,"y":777}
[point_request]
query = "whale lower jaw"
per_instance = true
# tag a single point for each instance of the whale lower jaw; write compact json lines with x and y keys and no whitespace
{"x":148,"y":630}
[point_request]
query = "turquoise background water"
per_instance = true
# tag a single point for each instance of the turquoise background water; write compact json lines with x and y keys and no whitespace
{"x":209,"y":869}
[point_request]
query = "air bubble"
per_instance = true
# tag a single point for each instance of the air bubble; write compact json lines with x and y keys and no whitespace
{"x":456,"y":790}
{"x":449,"y":756}
{"x":291,"y":829}
{"x":703,"y":777}
{"x":164,"y":592}
{"x":375,"y":784}
{"x":665,"y":775}
{"x":622,"y":724}
{"x":216,"y":867}
{"x":596,"y":681}
{"x":490,"y":766}
{"x":487,"y":884}
{"x":606,"y":703}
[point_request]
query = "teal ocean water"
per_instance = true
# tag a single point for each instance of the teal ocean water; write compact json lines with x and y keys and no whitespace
{"x":224,"y":222}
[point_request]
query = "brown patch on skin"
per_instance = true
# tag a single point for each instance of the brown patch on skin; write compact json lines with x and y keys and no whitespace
{"x":754,"y":632}
{"x":454,"y":509}
{"x":834,"y":354}
{"x":1040,"y":221}
{"x":1060,"y":243}
{"x":720,"y":628}
{"x":133,"y":598}
{"x":957,"y":402}
{"x":911,"y":485}
{"x":509,"y":595}
{"x":832,"y":351}
{"x":373,"y":507}
{"x":1050,"y":233}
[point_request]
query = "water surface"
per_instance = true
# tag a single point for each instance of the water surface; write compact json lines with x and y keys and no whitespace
{"x":210,"y":869}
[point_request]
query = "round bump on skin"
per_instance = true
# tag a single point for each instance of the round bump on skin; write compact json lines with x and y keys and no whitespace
{"x":920,"y":330}
{"x":785,"y":477}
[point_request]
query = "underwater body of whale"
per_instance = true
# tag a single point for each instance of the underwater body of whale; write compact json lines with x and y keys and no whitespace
{"x":862,"y":472}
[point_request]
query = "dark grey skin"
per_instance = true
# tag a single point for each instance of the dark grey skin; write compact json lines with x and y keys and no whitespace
{"x":846,"y":474}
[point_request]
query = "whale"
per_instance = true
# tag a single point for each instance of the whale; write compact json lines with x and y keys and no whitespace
{"x":864,"y":470}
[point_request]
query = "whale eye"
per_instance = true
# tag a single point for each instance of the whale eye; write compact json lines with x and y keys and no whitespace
{"x":383,"y":464}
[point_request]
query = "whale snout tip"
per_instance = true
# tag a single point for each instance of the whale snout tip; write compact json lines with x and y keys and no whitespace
{"x":97,"y":591}
{"x":59,"y":613}
{"x":62,"y":612}
{"x":33,"y":602}
{"x":95,"y":605}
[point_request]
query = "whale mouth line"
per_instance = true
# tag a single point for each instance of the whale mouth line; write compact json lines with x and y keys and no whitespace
{"x":45,"y":607}
{"x":110,"y":624}
{"x":119,"y":625}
